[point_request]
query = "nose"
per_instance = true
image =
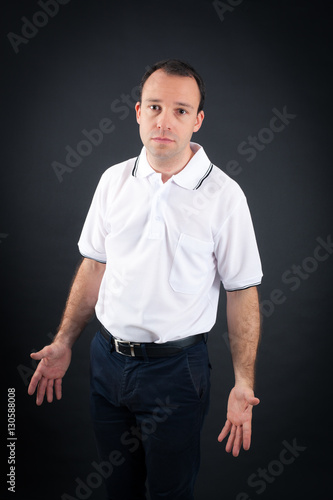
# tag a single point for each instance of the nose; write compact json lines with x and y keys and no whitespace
{"x":164,"y":120}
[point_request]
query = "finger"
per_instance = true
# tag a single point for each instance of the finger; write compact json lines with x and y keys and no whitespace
{"x":34,"y":382}
{"x":49,"y":391}
{"x":247,"y":435}
{"x":41,"y":391}
{"x":238,"y":441}
{"x":58,"y":388}
{"x":225,"y":431}
{"x":231,"y":439}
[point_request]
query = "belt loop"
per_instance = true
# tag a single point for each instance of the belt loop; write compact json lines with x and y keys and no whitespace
{"x":145,"y":357}
{"x":112,"y":347}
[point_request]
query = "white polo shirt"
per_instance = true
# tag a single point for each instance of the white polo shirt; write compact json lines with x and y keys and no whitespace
{"x":167,"y":246}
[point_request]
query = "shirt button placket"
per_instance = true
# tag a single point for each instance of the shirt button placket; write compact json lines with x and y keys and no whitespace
{"x":156,"y":226}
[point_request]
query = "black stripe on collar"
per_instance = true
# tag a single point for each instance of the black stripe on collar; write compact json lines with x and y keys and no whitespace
{"x":210,"y":168}
{"x":135,"y":168}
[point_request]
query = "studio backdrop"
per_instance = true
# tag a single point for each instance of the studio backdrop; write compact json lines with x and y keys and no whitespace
{"x":70,"y":76}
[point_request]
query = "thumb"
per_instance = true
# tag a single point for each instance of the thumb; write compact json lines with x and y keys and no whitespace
{"x":43,"y":353}
{"x":252,"y":400}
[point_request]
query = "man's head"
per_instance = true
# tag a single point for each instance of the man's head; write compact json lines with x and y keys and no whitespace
{"x":178,"y":68}
{"x":169,"y":112}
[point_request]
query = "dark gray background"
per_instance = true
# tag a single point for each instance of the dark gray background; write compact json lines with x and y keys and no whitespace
{"x":262,"y":55}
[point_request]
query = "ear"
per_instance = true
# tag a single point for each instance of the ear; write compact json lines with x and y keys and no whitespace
{"x":138,"y":111}
{"x":198,"y":122}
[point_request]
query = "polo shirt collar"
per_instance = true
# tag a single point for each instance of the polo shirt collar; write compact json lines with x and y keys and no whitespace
{"x":191,"y":177}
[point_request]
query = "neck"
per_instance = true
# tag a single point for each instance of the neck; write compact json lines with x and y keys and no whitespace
{"x":170,"y":166}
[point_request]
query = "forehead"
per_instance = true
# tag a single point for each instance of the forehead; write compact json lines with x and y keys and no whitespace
{"x":162,"y":86}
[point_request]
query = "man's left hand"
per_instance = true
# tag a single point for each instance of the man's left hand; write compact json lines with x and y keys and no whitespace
{"x":239,"y":419}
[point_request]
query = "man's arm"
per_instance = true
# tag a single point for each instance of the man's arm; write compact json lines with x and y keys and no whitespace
{"x":243,"y":318}
{"x":56,"y":358}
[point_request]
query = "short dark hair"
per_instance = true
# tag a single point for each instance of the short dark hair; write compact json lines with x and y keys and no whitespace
{"x":176,"y":67}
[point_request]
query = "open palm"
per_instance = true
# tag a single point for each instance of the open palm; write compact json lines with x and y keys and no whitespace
{"x":239,"y":419}
{"x":55,"y":360}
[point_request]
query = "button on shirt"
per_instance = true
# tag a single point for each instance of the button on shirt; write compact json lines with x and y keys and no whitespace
{"x":167,"y":246}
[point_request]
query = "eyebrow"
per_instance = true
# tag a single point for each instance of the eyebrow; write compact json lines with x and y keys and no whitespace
{"x":182,"y":104}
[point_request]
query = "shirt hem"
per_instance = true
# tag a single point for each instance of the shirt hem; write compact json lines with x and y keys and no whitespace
{"x":93,"y":258}
{"x":243,"y":287}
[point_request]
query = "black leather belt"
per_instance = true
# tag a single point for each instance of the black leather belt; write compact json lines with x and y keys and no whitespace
{"x":150,"y":349}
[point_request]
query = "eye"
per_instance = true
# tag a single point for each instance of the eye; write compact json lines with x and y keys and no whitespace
{"x":182,"y":111}
{"x":154,"y":107}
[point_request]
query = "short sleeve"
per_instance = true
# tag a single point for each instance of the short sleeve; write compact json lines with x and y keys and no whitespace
{"x":236,"y":250}
{"x":92,"y":240}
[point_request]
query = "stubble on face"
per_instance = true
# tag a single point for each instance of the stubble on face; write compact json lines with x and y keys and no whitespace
{"x":168,"y":117}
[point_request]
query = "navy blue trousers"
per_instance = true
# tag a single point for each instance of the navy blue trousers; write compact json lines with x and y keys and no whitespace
{"x":147,"y":416}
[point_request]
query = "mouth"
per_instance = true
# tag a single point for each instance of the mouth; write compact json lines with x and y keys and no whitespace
{"x":162,"y":140}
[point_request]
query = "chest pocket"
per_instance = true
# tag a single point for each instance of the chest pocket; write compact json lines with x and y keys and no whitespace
{"x":194,"y":261}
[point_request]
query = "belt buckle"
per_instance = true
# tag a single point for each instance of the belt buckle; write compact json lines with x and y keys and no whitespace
{"x":131,"y":345}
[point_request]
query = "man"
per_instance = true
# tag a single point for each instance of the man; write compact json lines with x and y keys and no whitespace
{"x":163,"y":230}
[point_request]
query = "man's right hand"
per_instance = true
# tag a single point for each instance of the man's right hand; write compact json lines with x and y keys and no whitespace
{"x":55,"y":360}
